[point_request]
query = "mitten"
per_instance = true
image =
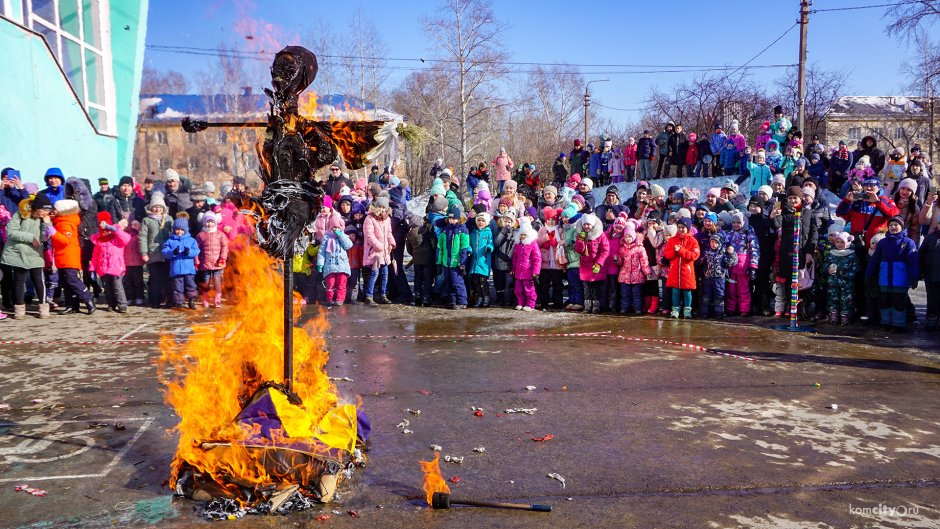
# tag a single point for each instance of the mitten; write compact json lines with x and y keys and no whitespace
{"x":596,"y":269}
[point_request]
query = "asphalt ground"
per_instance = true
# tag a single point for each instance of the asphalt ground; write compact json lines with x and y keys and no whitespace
{"x":838,"y":428}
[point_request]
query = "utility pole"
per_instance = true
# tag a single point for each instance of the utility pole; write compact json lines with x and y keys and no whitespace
{"x":801,"y":89}
{"x":587,"y":105}
{"x":933,"y":139}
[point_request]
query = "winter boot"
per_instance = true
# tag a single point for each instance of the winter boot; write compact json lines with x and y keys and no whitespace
{"x":205,"y":300}
{"x":834,"y":317}
{"x":370,"y":302}
{"x":654,"y":305}
{"x":43,"y":310}
{"x":91,"y":307}
{"x":687,"y":313}
{"x":218,"y":301}
{"x":846,"y":318}
{"x":19,"y":312}
{"x":674,"y":313}
{"x":596,"y":307}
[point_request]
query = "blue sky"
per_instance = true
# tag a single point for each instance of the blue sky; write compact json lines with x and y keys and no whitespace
{"x":680,"y":32}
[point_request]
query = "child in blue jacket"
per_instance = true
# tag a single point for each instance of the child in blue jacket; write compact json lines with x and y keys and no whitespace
{"x":894,"y":266}
{"x":181,"y":250}
{"x":481,"y":260}
{"x":729,"y":159}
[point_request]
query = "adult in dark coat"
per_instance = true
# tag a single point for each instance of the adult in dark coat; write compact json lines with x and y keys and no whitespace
{"x":560,"y":171}
{"x":77,"y":189}
{"x":176,"y":198}
{"x":126,"y":204}
{"x":662,"y":144}
{"x":200,"y":206}
{"x":608,"y":210}
{"x":875,"y":155}
{"x":678,"y":145}
{"x":335,"y":181}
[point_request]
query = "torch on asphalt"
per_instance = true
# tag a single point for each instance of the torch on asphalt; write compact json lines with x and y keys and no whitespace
{"x":614,"y":422}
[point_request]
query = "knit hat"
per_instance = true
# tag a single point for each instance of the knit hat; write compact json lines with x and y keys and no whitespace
{"x":896,"y":219}
{"x":845,"y":236}
{"x":686,"y":222}
{"x":711,"y":216}
{"x":126,"y":180}
{"x":630,"y":226}
{"x":621,"y":220}
{"x":588,"y":182}
{"x":380,"y":202}
{"x":394,"y":181}
{"x":454,"y":212}
{"x":685,"y":213}
{"x":210,"y":217}
{"x":875,"y":239}
{"x":447,"y":172}
{"x":439,"y":204}
{"x":181,"y":224}
{"x":197,"y":196}
{"x":336,"y":222}
{"x":478,"y":208}
{"x":550,"y":189}
{"x":729,"y":184}
{"x":642,"y":184}
{"x":737,"y":216}
{"x":589,"y":218}
{"x":767,"y":190}
{"x":908,"y":183}
{"x":692,"y":136}
{"x":713,"y":192}
{"x":103,"y":182}
{"x":837,"y":226}
{"x":66,"y":207}
{"x":570,"y":211}
{"x":670,"y":230}
{"x":579,"y":201}
{"x":41,"y":201}
{"x":550,"y":213}
{"x":361,"y":183}
{"x":171,"y":174}
{"x":485,"y":216}
{"x":778,"y":179}
{"x":809,"y":191}
{"x":757,"y":200}
{"x":724,"y":218}
{"x":104,"y":216}
{"x":437,"y":187}
{"x":657,"y":191}
{"x":532,"y":212}
{"x":510,"y":185}
{"x":794,"y":191}
{"x":871,"y":182}
{"x":612,"y":190}
{"x":577,"y":142}
{"x":208,"y":188}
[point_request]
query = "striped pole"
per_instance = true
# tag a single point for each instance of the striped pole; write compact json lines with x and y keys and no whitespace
{"x":795,"y":278}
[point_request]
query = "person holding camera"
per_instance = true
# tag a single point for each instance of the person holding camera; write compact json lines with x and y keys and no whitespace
{"x":867,"y":207}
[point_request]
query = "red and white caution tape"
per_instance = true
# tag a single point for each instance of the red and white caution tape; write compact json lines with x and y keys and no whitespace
{"x":686,"y":345}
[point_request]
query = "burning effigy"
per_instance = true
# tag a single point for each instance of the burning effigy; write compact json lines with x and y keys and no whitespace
{"x":257,"y":435}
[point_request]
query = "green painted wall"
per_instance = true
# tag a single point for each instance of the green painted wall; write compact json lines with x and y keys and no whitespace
{"x":42,"y":122}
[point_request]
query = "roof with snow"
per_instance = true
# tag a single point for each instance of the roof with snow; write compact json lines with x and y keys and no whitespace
{"x":854,"y":106}
{"x":251,"y":107}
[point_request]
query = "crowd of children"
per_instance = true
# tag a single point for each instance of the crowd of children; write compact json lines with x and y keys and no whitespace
{"x":545,"y":245}
{"x":63,"y":247}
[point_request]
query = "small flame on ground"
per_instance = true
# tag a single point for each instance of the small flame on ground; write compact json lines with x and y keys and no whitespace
{"x":433,"y":480}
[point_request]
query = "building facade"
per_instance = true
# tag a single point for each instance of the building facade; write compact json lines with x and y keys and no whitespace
{"x":894,"y":121}
{"x":218,"y":155}
{"x":71,"y":71}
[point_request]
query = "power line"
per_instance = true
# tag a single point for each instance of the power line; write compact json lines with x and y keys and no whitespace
{"x":239,"y":55}
{"x":251,"y":55}
{"x":595,"y":103}
{"x":761,"y":52}
{"x":854,"y":8}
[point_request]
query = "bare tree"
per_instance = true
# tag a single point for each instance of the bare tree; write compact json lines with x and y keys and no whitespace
{"x":157,"y":82}
{"x":554,"y":95}
{"x":323,"y":41}
{"x":363,"y":64}
{"x":823,"y":87}
{"x":897,"y":130}
{"x":908,"y":19}
{"x":467,"y":32}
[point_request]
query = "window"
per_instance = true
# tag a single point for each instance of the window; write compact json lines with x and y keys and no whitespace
{"x":163,"y":164}
{"x":222,"y":163}
{"x":191,"y":137}
{"x":193,"y":164}
{"x":73,"y":31}
{"x":879,"y":131}
{"x":899,"y":133}
{"x":855,"y":133}
{"x":222,"y":137}
{"x":161,"y":137}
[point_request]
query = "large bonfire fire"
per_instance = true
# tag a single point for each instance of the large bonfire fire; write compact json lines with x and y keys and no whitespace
{"x":245,"y":440}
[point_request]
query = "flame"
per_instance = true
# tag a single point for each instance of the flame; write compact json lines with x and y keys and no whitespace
{"x":307,"y":104}
{"x":210,"y":376}
{"x":433,"y":480}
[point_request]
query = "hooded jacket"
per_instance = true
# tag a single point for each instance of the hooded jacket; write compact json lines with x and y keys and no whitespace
{"x":681,"y":262}
{"x":333,"y":254}
{"x":19,"y":251}
{"x":213,"y":248}
{"x":181,"y":251}
{"x":894,"y":262}
{"x":453,"y":245}
{"x":76,"y":189}
{"x":593,"y":248}
{"x":634,"y":261}
{"x":865,"y":216}
{"x":66,"y":243}
{"x":551,"y":240}
{"x":526,"y":257}
{"x":379,"y":242}
{"x":875,"y":155}
{"x":481,"y":252}
{"x":108,"y":256}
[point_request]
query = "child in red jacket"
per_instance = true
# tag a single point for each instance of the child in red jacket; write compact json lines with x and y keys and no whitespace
{"x":682,"y":250}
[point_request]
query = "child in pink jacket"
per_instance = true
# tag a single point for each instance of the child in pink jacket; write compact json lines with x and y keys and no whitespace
{"x":634,"y":269}
{"x":377,"y":250}
{"x":134,"y":263}
{"x":592,"y":246}
{"x":107,"y":260}
{"x":526,"y":264}
{"x":213,"y":252}
{"x":629,"y":159}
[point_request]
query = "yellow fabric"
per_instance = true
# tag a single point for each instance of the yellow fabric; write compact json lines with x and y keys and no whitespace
{"x":296,"y":422}
{"x":339,"y":428}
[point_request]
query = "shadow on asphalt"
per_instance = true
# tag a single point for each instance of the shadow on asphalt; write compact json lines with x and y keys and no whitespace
{"x":800,"y":358}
